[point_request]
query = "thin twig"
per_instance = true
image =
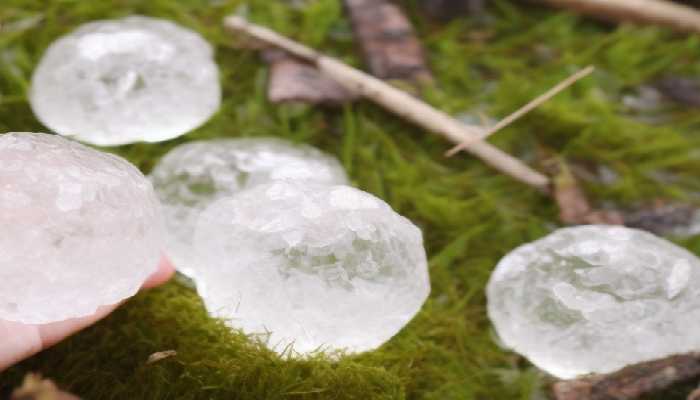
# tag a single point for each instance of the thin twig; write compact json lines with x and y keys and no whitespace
{"x":659,"y":12}
{"x":523,"y":110}
{"x":397,"y":101}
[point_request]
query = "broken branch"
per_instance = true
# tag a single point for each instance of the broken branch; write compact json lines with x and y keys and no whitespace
{"x":397,"y":101}
{"x":659,"y":12}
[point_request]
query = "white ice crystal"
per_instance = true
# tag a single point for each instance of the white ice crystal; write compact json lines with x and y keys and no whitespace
{"x":78,"y":229}
{"x":193,"y":175}
{"x":593,"y":299}
{"x":312,"y":266}
{"x":135,"y":79}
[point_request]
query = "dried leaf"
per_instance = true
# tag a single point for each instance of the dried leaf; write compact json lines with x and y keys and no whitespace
{"x":633,"y":381}
{"x":574,"y":207}
{"x":161,"y":355}
{"x":36,"y":388}
{"x":292,"y":80}
{"x":388,"y":41}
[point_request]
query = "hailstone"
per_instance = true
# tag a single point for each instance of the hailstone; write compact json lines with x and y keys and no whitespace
{"x":78,"y":229}
{"x":593,"y":299}
{"x":193,"y":175}
{"x":136,"y":79}
{"x":311,"y":267}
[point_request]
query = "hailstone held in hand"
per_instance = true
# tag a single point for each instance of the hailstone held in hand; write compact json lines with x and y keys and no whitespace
{"x":136,"y":79}
{"x":78,"y":229}
{"x":593,"y":299}
{"x":314,"y":266}
{"x":194,"y":175}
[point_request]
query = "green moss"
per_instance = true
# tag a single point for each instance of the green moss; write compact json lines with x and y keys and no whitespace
{"x":471,"y":215}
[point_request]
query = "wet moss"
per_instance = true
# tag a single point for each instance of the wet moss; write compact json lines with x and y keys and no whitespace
{"x":470,"y":214}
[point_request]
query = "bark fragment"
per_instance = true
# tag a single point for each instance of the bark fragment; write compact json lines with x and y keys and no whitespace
{"x":633,"y":381}
{"x":292,"y":80}
{"x":388,"y":41}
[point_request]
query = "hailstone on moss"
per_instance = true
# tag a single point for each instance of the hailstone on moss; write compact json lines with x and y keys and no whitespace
{"x":78,"y":229}
{"x":593,"y":299}
{"x":136,"y":79}
{"x":193,"y":175}
{"x":311,"y":266}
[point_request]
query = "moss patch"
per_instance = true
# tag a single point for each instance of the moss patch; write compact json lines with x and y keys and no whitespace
{"x":471,"y":215}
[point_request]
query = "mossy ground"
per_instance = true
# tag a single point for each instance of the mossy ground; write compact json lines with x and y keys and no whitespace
{"x":470,"y":214}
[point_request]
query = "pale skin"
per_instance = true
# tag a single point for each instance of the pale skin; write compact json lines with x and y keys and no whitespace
{"x":20,"y":341}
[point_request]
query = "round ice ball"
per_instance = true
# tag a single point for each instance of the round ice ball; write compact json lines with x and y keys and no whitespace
{"x":193,"y":175}
{"x":311,"y":266}
{"x":78,"y":229}
{"x":593,"y":299}
{"x":136,"y":79}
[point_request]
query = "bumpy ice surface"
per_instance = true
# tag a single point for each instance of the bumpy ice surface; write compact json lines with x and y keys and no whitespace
{"x":314,"y":266}
{"x":135,"y":79}
{"x":592,"y":299}
{"x":78,"y":229}
{"x":193,"y":175}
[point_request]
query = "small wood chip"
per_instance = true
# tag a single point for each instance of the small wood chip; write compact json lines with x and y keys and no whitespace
{"x":161,"y":355}
{"x":388,"y":41}
{"x":631,"y":382}
{"x":292,"y":81}
{"x":35,"y":388}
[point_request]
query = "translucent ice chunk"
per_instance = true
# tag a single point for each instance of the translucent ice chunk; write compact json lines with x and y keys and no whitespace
{"x":593,"y":299}
{"x":136,"y":79}
{"x":312,"y":266}
{"x":193,"y":175}
{"x":78,"y":229}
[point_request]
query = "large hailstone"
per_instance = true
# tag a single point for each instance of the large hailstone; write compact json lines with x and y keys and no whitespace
{"x":593,"y":299}
{"x":130,"y":80}
{"x":78,"y":229}
{"x":312,"y":266}
{"x":193,"y":175}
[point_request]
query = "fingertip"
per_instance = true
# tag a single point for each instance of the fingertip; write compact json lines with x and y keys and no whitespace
{"x":165,"y":271}
{"x":50,"y":334}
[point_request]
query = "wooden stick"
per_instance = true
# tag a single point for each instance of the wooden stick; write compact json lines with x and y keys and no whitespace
{"x":397,"y":101}
{"x":523,"y":110}
{"x":659,"y":12}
